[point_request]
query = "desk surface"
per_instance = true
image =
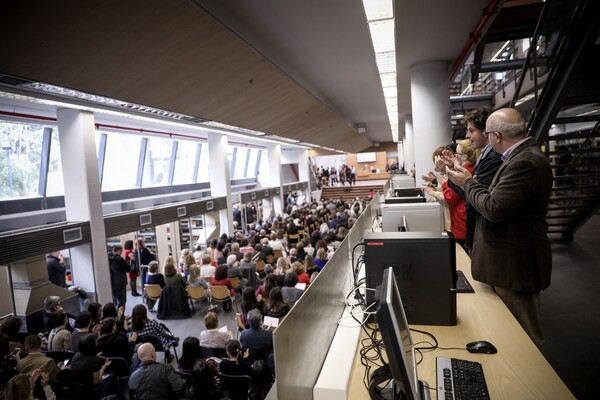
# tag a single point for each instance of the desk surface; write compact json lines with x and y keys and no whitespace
{"x":517,"y":371}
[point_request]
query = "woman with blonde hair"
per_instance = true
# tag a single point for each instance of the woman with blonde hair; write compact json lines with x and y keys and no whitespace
{"x":20,"y":387}
{"x":321,"y":258}
{"x":194,"y":278}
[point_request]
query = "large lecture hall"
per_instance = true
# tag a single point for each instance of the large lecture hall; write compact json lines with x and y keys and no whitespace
{"x":300,"y":199}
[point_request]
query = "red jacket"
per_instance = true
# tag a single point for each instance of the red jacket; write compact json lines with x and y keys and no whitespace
{"x":458,"y":209}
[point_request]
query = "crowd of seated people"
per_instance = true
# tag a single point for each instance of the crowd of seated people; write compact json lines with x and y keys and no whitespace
{"x":269,"y":265}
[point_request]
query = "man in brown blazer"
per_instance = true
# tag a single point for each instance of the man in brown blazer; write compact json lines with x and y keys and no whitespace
{"x":511,"y":250}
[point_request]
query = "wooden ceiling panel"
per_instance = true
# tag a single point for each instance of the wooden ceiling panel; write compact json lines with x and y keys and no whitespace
{"x":165,"y":54}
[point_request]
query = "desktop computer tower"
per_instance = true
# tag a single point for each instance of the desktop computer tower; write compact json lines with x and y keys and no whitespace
{"x":424,"y":264}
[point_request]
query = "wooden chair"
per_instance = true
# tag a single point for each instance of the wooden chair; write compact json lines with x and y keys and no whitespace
{"x":270,"y":258}
{"x":196,"y":293}
{"x":293,"y":239}
{"x":220,"y":294}
{"x":277,"y":254}
{"x":153,"y":293}
{"x":260,"y":266}
{"x":236,"y":284}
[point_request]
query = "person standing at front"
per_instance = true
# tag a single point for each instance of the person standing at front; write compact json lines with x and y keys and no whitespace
{"x":511,"y":249}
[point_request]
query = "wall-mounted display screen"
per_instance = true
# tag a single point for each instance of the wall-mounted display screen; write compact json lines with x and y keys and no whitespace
{"x":366,"y":157}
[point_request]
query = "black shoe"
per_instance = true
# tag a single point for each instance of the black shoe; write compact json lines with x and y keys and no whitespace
{"x":136,"y":294}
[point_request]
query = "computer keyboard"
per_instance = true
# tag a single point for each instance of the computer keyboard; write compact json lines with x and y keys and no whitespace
{"x":462,"y":284}
{"x":460,"y":379}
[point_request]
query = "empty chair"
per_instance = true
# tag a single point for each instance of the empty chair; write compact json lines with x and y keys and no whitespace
{"x":220,"y":294}
{"x":196,"y":293}
{"x":119,"y":366}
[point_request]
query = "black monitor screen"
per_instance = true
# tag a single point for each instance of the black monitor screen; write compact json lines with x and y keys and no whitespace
{"x":396,"y":337}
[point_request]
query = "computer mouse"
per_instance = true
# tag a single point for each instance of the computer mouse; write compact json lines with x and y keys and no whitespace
{"x":481,"y":346}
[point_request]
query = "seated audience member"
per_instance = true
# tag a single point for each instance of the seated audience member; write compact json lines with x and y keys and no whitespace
{"x":154,"y":277}
{"x":211,"y":337}
{"x":194,"y":279}
{"x":300,"y":252}
{"x":262,"y":380}
{"x":321,"y":258}
{"x":289,"y":291}
{"x":84,"y":325}
{"x":249,"y":302}
{"x":300,"y":271}
{"x":235,"y":363}
{"x":172,"y":277}
{"x":59,"y":338}
{"x":153,"y":380}
{"x":277,"y":308}
{"x":235,"y":250}
{"x":114,"y":344}
{"x":233,"y":267}
{"x":190,"y":354}
{"x":264,"y":290}
{"x":221,"y":279}
{"x":8,"y":363}
{"x":280,"y":270}
{"x":36,"y":359}
{"x":248,"y":270}
{"x":96,"y":313}
{"x":20,"y":387}
{"x":188,"y":261}
{"x":309,"y":264}
{"x":11,"y":327}
{"x":144,"y":326}
{"x":51,"y":308}
{"x":204,"y":386}
{"x":207,"y":270}
{"x":88,"y":369}
{"x":110,"y":311}
{"x":258,"y":340}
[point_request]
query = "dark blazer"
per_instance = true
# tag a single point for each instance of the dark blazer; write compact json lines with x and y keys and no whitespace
{"x":511,"y":247}
{"x":484,"y":172}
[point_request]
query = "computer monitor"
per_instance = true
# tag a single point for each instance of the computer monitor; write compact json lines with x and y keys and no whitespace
{"x":412,"y":217}
{"x":397,"y":341}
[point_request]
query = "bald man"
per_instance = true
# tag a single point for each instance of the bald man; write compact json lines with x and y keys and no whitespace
{"x":152,"y":380}
{"x":511,"y":250}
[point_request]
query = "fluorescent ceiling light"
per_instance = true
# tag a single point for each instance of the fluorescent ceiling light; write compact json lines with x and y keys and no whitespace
{"x":378,"y":9}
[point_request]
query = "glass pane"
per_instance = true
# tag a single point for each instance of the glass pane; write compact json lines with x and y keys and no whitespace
{"x":264,"y":163}
{"x":250,"y":173}
{"x":121,"y":161}
{"x":240,"y":162}
{"x":55,"y":185}
{"x":20,"y":155}
{"x":156,"y":165}
{"x":184,"y":163}
{"x":203,"y":167}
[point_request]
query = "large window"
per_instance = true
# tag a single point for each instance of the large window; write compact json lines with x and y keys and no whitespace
{"x":121,"y":161}
{"x":22,"y":151}
{"x":239,"y":169}
{"x":185,"y":163}
{"x":157,"y":162}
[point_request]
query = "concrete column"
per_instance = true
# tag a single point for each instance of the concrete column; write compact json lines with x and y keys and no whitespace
{"x":274,"y":173}
{"x":83,"y":200}
{"x":220,"y":184}
{"x":430,"y":97}
{"x":300,"y":156}
{"x":408,"y":145}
